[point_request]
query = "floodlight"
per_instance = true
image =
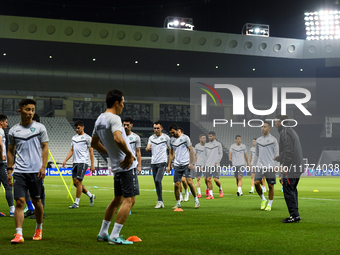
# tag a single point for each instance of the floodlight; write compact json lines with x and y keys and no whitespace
{"x":172,"y":22}
{"x":256,"y":29}
{"x":324,"y":23}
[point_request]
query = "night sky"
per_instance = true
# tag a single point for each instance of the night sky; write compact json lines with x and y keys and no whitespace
{"x":285,"y":18}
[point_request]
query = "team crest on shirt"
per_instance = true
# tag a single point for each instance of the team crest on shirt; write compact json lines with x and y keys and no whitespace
{"x":131,"y":138}
{"x":180,"y":140}
{"x":268,"y":141}
{"x":32,"y":129}
{"x":82,"y":137}
{"x":162,"y":139}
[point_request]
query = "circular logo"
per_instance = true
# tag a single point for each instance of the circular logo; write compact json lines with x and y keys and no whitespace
{"x":32,"y":129}
{"x":131,"y":138}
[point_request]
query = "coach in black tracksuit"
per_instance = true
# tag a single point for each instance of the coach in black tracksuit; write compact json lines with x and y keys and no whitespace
{"x":290,"y":157}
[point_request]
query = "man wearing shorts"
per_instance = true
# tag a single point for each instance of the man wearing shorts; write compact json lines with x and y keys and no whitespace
{"x":109,"y":130}
{"x":267,"y":149}
{"x":182,"y":154}
{"x":238,"y":156}
{"x":81,"y":146}
{"x":30,"y":141}
{"x":200,"y":160}
{"x":213,"y":154}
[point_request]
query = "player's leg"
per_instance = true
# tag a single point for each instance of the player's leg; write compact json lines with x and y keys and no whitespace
{"x":159,"y":174}
{"x":179,"y":171}
{"x":80,"y":177}
{"x":264,"y":184}
{"x":210,"y":186}
{"x":20,"y":187}
{"x":193,"y":191}
{"x":29,"y":205}
{"x":185,"y":186}
{"x":271,"y":180}
{"x":258,"y":180}
{"x":252,"y":180}
{"x":8,"y":188}
{"x":239,"y":181}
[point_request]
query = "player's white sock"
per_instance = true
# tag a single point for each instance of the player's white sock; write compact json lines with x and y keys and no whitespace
{"x":199,"y":191}
{"x":12,"y":209}
{"x":116,"y":230}
{"x":89,"y":194}
{"x":270,"y":202}
{"x":104,"y":230}
{"x":186,"y":191}
{"x":220,"y":188}
{"x":239,"y":189}
{"x":77,"y":201}
{"x":252,"y":188}
{"x":262,"y":197}
{"x":180,"y":196}
{"x":262,"y":187}
{"x":19,"y":231}
{"x":38,"y":226}
{"x":211,"y":193}
{"x":178,"y":202}
{"x":196,"y":199}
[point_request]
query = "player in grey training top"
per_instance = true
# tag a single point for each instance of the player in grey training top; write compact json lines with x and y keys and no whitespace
{"x":181,"y":153}
{"x":110,"y":131}
{"x":134,"y":141}
{"x":267,"y":149}
{"x":158,"y":144}
{"x":213,"y":154}
{"x":200,"y":160}
{"x":3,"y":165}
{"x":30,"y":141}
{"x":80,"y":148}
{"x":238,"y":156}
{"x":252,"y":169}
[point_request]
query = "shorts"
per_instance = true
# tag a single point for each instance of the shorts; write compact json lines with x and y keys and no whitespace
{"x":191,"y":175}
{"x":27,"y":181}
{"x":79,"y":170}
{"x":270,"y":176}
{"x":239,"y":170}
{"x":181,"y":171}
{"x":213,"y":172}
{"x":198,"y":171}
{"x":126,"y":183}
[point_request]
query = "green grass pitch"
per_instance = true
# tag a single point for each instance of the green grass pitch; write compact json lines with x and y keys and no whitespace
{"x":228,"y":225}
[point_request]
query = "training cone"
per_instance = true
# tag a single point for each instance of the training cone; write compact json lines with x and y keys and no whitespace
{"x":134,"y":239}
{"x":178,"y":210}
{"x":315,"y":190}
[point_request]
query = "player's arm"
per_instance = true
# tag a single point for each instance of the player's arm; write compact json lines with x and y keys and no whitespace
{"x":10,"y":160}
{"x":230,"y":153}
{"x":44,"y":157}
{"x":92,"y":159}
{"x":251,"y":157}
{"x":192,"y":157}
{"x":148,"y":147}
{"x":220,"y":155}
{"x":246,"y":157}
{"x":171,"y":158}
{"x":1,"y":149}
{"x":69,"y":155}
{"x":96,"y":144}
{"x":139,"y":159}
{"x":129,"y":158}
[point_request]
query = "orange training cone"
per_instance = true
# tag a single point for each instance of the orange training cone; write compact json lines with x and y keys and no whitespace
{"x":178,"y":210}
{"x":134,"y":239}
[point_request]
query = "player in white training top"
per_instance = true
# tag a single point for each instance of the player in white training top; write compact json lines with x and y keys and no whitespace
{"x":80,"y":148}
{"x":158,"y":144}
{"x":30,"y":141}
{"x":134,"y":141}
{"x":200,"y":159}
{"x":3,"y":166}
{"x":181,"y":153}
{"x":252,"y":169}
{"x":213,"y":154}
{"x":267,"y":149}
{"x":238,"y":156}
{"x":109,"y":130}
